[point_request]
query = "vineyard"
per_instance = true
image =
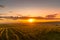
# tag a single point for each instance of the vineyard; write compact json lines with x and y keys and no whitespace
{"x":30,"y":31}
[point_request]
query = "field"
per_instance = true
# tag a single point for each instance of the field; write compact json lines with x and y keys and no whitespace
{"x":30,"y":31}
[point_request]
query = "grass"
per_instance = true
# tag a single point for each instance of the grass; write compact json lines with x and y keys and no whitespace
{"x":30,"y":31}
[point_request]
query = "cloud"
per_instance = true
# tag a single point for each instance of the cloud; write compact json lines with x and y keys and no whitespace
{"x":2,"y":6}
{"x":51,"y":16}
{"x":58,"y":15}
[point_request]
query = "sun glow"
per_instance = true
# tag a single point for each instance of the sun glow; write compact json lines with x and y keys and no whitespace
{"x":31,"y":20}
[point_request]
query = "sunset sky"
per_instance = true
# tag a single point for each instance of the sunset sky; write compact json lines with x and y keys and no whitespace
{"x":30,"y":7}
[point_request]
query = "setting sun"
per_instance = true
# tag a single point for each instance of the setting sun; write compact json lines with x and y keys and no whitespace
{"x":31,"y":20}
